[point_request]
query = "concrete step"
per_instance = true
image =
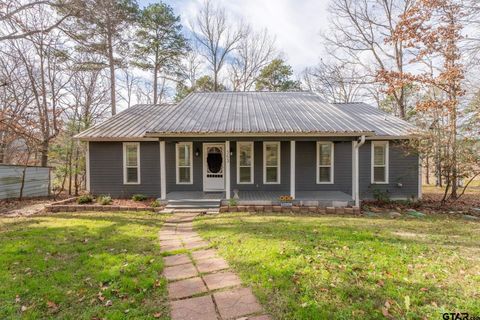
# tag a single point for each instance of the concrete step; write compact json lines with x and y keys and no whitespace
{"x":189,"y":204}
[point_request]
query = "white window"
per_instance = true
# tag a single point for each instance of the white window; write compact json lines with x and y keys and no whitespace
{"x":325,"y":162}
{"x":131,"y":163}
{"x":271,"y":162}
{"x":244,"y":162}
{"x":184,"y":160}
{"x":379,"y":161}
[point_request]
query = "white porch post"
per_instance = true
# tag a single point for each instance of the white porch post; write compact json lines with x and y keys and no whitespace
{"x":163,"y":180}
{"x":87,"y":167}
{"x":355,"y":172}
{"x":227,"y":169}
{"x":292,"y":168}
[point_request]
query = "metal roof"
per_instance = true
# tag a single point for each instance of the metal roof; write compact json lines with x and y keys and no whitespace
{"x":247,"y":113}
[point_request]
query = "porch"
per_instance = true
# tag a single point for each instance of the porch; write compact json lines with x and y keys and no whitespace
{"x":254,"y":197}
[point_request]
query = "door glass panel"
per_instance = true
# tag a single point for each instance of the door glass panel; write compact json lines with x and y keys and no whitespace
{"x":214,"y":162}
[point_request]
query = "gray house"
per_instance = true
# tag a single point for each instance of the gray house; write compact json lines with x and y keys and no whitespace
{"x":254,"y":146}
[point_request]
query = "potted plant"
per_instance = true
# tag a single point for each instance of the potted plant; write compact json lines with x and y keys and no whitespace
{"x":286,"y":201}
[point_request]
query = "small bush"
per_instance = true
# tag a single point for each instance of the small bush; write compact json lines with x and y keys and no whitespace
{"x":155,"y":204}
{"x":85,"y":199}
{"x":381,"y":196}
{"x":232,"y":202}
{"x":104,"y":200}
{"x":139,"y":197}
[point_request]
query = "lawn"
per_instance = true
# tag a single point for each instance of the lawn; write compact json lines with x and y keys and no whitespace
{"x":353,"y":267}
{"x":82,"y":266}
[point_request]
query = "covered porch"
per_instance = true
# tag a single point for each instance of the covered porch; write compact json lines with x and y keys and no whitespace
{"x":254,"y":197}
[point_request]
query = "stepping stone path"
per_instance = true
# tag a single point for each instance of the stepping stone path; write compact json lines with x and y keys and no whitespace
{"x":200,"y":284}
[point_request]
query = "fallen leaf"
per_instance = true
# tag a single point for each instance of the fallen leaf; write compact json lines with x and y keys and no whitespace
{"x":23,"y":308}
{"x":157,"y":315}
{"x":17,"y":299}
{"x":108,"y":303}
{"x":424,"y":289}
{"x":381,"y":283}
{"x":52,"y":305}
{"x":385,"y":312}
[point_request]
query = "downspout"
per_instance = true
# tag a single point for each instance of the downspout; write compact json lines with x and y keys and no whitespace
{"x":358,"y":144}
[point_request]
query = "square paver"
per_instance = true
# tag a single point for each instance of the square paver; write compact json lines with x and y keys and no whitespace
{"x":221,"y":280}
{"x":200,"y":308}
{"x":236,"y":303}
{"x":212,"y":264}
{"x":204,"y":254}
{"x":176,"y":260}
{"x":180,"y":272}
{"x":186,"y":288}
{"x":170,"y":247}
{"x":173,"y":242}
{"x":195,"y":244}
{"x":167,"y":237}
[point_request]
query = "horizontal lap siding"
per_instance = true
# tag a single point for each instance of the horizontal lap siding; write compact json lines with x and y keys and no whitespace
{"x":106,"y":170}
{"x":258,"y":169}
{"x":306,"y":171}
{"x":403,"y":168}
{"x":170,"y":166}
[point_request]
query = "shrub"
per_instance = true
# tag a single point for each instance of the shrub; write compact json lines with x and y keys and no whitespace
{"x":232,"y":202}
{"x":85,"y":199}
{"x":139,"y":197}
{"x":155,"y":204}
{"x":104,"y":200}
{"x":381,"y":196}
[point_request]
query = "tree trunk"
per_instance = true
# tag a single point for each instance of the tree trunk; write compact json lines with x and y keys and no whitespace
{"x":155,"y":85}
{"x":44,"y":153}
{"x":111,"y":64}
{"x":427,"y":171}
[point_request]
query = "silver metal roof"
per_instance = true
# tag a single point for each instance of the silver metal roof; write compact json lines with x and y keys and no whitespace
{"x":248,"y":113}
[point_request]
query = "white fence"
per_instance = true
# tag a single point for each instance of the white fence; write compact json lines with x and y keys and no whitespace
{"x":37,"y":181}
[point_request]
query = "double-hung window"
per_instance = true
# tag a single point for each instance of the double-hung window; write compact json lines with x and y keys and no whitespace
{"x":379,"y":162}
{"x":131,"y":163}
{"x":271,"y":162}
{"x":324,"y":162}
{"x":244,"y":162}
{"x":184,"y":159}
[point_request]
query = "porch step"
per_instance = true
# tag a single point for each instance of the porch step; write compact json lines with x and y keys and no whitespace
{"x":192,"y":204}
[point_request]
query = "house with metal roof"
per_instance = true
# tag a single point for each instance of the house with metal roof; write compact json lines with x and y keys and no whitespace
{"x":253,"y":147}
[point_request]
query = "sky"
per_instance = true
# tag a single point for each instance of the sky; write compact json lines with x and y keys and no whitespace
{"x":296,"y":24}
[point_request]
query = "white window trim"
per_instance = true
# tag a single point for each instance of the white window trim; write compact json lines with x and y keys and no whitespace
{"x":332,"y":161}
{"x":137,"y":145}
{"x":387,"y":162}
{"x":265,"y":143}
{"x":250,"y":143}
{"x":177,"y":167}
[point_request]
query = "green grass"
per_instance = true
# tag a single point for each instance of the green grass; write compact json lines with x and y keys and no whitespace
{"x":69,"y":265}
{"x":351,"y":267}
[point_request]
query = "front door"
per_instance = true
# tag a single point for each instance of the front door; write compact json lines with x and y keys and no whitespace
{"x":213,"y":167}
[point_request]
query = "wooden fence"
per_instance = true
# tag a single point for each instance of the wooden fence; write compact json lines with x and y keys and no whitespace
{"x":37,"y":181}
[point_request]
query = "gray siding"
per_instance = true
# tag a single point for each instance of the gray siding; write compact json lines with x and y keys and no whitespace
{"x":170,"y":167}
{"x":106,"y":175}
{"x":306,"y":171}
{"x":106,"y":170}
{"x":37,"y":181}
{"x":258,"y":169}
{"x":403,"y":168}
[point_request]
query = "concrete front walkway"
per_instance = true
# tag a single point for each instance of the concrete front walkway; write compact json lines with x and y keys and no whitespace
{"x":201,"y":285}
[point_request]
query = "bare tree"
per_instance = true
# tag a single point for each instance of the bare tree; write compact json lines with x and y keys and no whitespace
{"x":216,"y":38}
{"x":14,"y":26}
{"x":358,"y":33}
{"x":335,"y":82}
{"x":255,"y":50}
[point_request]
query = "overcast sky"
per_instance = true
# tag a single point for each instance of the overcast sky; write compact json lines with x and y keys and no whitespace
{"x":296,"y":24}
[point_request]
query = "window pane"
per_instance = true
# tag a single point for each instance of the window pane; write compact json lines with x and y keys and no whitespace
{"x":184,"y":155}
{"x":324,"y":173}
{"x":184,"y":174}
{"x":132,"y":175}
{"x":271,"y":154}
{"x":272,"y":174}
{"x":325,"y":154}
{"x":379,"y":174}
{"x":131,"y":156}
{"x":379,"y":155}
{"x":245,"y":155}
{"x":245,"y":174}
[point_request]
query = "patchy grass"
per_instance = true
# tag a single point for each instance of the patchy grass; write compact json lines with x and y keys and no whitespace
{"x":82,"y":266}
{"x":353,"y":267}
